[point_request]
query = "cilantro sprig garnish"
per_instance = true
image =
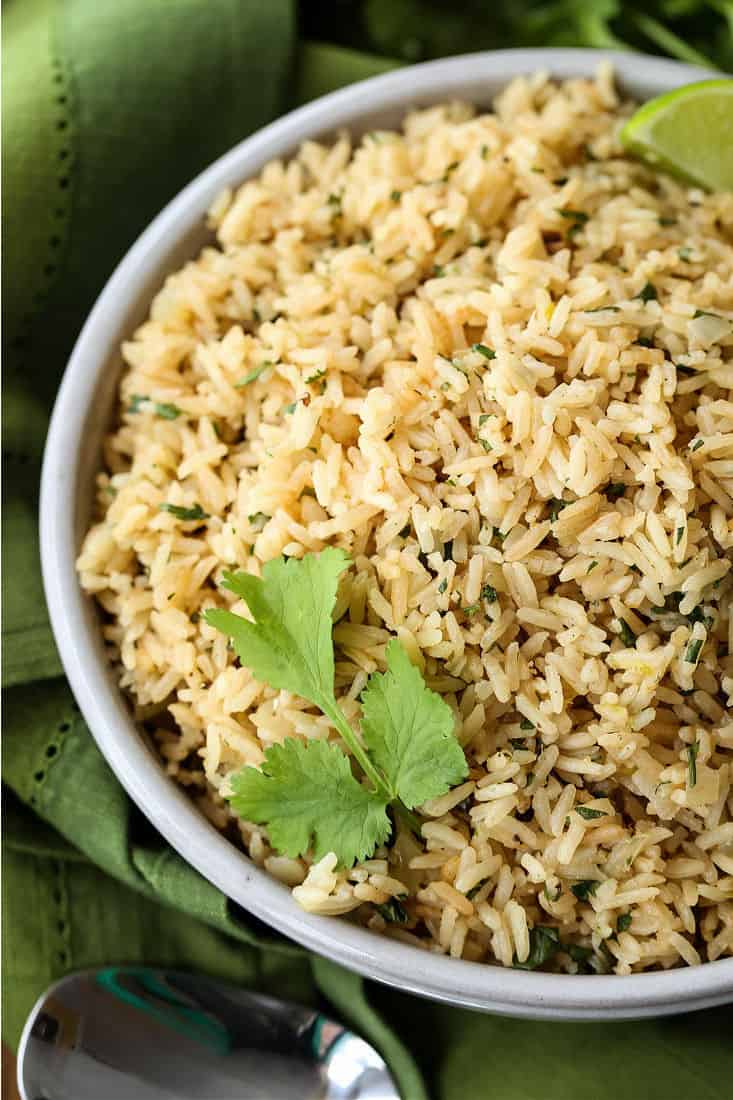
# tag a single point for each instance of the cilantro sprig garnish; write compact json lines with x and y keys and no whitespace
{"x":306,"y":794}
{"x":308,"y":798}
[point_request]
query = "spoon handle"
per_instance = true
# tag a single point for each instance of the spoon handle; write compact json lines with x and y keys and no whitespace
{"x":166,"y":1035}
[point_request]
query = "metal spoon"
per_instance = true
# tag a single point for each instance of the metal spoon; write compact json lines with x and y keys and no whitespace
{"x":135,"y":1032}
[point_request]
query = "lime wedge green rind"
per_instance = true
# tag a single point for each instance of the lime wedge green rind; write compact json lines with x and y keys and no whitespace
{"x":688,"y":133}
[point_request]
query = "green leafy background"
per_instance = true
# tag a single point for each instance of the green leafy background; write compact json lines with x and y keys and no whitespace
{"x":698,"y":31}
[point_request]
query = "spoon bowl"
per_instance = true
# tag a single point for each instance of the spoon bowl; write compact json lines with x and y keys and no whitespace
{"x":167,"y":1035}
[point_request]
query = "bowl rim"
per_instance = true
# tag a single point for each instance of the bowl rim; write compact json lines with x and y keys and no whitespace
{"x":480,"y":986}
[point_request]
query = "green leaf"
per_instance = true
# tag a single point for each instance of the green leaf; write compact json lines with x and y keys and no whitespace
{"x":627,"y":634}
{"x":258,"y":520}
{"x":697,"y":615}
{"x":579,"y":953}
{"x":648,"y":293}
{"x":585,"y":889}
{"x":614,"y":491}
{"x":167,"y":411}
{"x":544,"y":942}
{"x":475,"y":889}
{"x":289,"y":644}
{"x":556,"y":507}
{"x":394,"y":912}
{"x":624,"y":922}
{"x":253,"y":374}
{"x":408,"y":730}
{"x":589,"y":813}
{"x":578,"y":216}
{"x":692,"y":752}
{"x":177,"y":510}
{"x":666,"y":40}
{"x":161,"y":408}
{"x":309,"y":800}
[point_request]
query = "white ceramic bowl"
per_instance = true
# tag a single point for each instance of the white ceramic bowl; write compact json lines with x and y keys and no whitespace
{"x":83,"y":410}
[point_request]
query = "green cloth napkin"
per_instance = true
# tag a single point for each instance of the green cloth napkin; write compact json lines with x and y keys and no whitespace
{"x":108,"y":110}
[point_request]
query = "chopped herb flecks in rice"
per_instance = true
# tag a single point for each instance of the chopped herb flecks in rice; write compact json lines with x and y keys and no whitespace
{"x":506,"y":395}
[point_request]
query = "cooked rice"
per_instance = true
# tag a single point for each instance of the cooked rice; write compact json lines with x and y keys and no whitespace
{"x":584,"y":648}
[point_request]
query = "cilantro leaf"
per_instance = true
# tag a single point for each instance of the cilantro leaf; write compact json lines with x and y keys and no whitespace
{"x":253,"y":374}
{"x":628,"y":637}
{"x":589,"y":813}
{"x":475,"y":889}
{"x":185,"y":514}
{"x":409,"y":753}
{"x":309,"y":800}
{"x":648,"y":293}
{"x":544,"y":942}
{"x":289,"y":645}
{"x":394,"y":912}
{"x":585,"y":888}
{"x":408,"y":730}
{"x":167,"y":411}
{"x":162,"y":409}
{"x":577,"y":952}
{"x":579,"y":216}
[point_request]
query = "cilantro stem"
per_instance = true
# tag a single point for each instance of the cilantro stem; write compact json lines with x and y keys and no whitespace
{"x":331,"y":709}
{"x":334,"y":712}
{"x":410,"y":819}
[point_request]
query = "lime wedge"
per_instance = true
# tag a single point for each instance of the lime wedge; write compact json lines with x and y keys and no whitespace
{"x":688,"y":133}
